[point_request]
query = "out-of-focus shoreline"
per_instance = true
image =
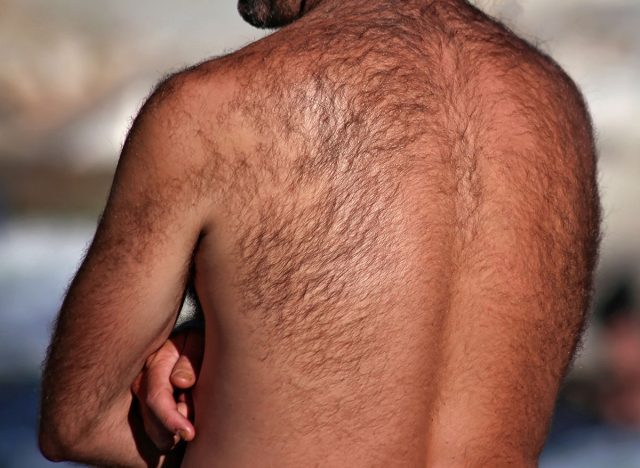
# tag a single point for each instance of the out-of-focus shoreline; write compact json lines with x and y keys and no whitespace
{"x":37,"y":189}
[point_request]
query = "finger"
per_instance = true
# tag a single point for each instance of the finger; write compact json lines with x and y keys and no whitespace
{"x":163,"y":439}
{"x":184,"y":403}
{"x":184,"y":410}
{"x":168,"y":417}
{"x":161,"y":402}
{"x":155,"y":393}
{"x":185,"y":372}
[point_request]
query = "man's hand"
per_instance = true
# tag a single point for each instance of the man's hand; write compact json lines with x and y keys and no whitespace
{"x":163,"y":389}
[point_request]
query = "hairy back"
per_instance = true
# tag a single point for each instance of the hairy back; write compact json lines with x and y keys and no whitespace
{"x":385,"y":205}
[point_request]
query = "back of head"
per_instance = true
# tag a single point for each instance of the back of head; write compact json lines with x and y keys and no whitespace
{"x":271,"y":13}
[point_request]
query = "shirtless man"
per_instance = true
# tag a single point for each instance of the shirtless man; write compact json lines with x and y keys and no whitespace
{"x":391,"y":215}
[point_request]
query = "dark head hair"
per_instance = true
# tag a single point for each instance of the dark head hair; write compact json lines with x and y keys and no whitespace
{"x":270,"y":13}
{"x":618,"y":302}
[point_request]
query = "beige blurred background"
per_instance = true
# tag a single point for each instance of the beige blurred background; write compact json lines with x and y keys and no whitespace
{"x":73,"y":74}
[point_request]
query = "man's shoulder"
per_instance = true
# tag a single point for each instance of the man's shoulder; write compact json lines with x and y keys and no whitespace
{"x":522,"y":75}
{"x":197,"y":90}
{"x":519,"y":125}
{"x":194,"y":109}
{"x":525,"y":99}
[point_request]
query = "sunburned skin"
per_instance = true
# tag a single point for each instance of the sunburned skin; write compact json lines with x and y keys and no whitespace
{"x":380,"y":284}
{"x":392,"y":214}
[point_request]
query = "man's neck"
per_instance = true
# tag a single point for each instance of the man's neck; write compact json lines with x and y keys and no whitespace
{"x":309,"y":5}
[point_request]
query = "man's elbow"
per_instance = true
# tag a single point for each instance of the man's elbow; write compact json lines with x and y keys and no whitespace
{"x":52,"y":446}
{"x":58,"y":440}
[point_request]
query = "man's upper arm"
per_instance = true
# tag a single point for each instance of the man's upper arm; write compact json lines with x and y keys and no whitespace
{"x":123,"y":302}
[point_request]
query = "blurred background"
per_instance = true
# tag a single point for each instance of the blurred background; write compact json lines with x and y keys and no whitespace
{"x":74,"y":73}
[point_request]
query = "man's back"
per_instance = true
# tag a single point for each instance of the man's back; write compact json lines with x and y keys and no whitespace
{"x":389,"y":248}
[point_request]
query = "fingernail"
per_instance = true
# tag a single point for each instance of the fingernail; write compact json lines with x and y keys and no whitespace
{"x":180,"y":375}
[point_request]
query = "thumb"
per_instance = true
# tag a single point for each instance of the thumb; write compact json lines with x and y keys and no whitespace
{"x":185,"y":372}
{"x":183,"y":375}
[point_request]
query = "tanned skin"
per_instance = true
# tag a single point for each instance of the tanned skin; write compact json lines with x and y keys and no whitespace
{"x":392,"y":216}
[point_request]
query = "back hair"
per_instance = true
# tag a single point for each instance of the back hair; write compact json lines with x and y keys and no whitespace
{"x":356,"y":118}
{"x":434,"y":142}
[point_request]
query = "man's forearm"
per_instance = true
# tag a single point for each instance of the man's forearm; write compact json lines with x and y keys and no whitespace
{"x":85,"y":417}
{"x":117,"y":438}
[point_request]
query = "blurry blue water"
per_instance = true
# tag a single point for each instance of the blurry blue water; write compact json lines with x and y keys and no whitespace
{"x":18,"y":422}
{"x":579,"y":439}
{"x":597,"y":447}
{"x":37,"y":260}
